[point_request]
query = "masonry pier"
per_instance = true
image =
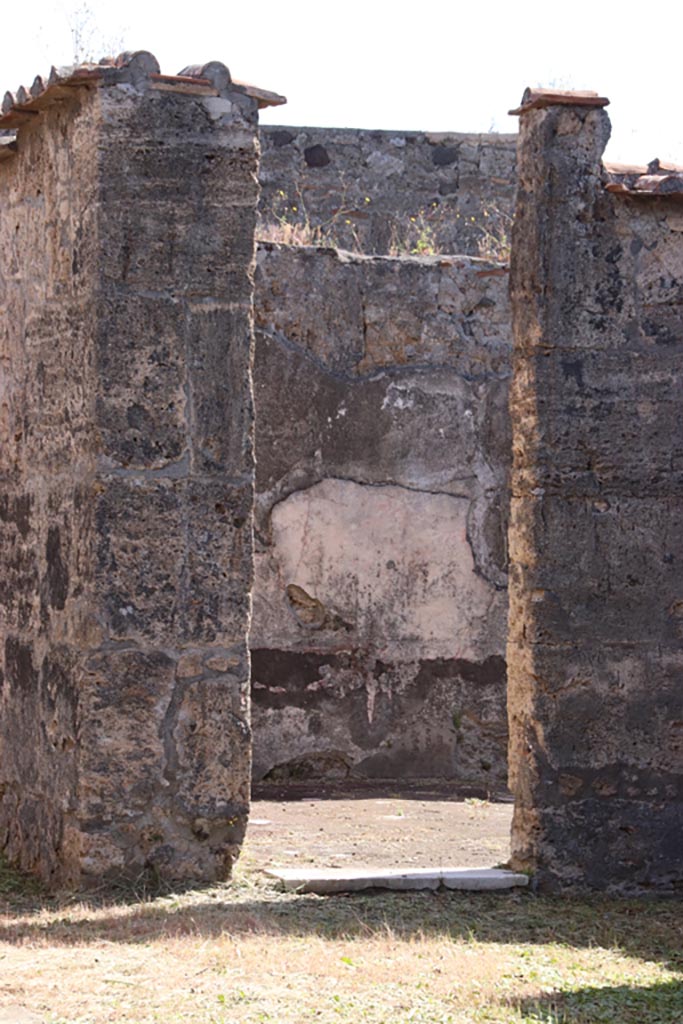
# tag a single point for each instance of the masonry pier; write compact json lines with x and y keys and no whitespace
{"x":127,"y":231}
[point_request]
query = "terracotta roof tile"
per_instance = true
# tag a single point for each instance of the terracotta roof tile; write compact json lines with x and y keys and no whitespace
{"x":649,"y":186}
{"x":20,"y":107}
{"x":658,"y":178}
{"x":616,"y":170}
{"x":536,"y":99}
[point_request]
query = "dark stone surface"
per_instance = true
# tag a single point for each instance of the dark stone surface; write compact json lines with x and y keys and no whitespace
{"x":282,"y":138}
{"x":443,"y":156}
{"x":595,"y":669}
{"x":437,"y":718}
{"x":316,"y":156}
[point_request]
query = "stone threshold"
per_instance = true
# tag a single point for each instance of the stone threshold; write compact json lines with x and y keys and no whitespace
{"x":325,"y":881}
{"x":15,"y":1014}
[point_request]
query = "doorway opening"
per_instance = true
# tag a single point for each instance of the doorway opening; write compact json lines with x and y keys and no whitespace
{"x":379,"y":607}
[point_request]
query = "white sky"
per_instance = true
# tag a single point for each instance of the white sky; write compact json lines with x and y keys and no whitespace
{"x":438,"y":65}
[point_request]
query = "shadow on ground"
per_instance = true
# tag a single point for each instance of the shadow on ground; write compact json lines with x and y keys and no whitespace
{"x":649,"y":930}
{"x":361,"y":789}
{"x":621,"y":1004}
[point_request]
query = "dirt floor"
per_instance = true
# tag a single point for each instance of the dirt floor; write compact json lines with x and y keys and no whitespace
{"x":379,"y":828}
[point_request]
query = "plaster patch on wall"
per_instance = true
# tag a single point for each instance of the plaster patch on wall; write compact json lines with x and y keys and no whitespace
{"x":393,"y":562}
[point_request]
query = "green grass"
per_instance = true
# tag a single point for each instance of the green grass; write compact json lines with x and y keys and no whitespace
{"x":659,"y":1003}
{"x":17,"y":888}
{"x":248,"y":953}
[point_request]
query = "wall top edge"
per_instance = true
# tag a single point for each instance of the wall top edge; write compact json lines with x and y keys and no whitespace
{"x":139,"y":69}
{"x":481,"y":266}
{"x":436,"y":138}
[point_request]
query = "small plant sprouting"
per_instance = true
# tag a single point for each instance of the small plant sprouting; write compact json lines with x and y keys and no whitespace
{"x":419,"y":234}
{"x":496,"y":230}
{"x":288,"y":222}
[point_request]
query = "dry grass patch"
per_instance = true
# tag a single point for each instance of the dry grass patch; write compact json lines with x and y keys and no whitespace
{"x":248,"y":953}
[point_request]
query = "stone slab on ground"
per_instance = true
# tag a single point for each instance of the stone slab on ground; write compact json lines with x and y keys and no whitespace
{"x":15,"y":1014}
{"x":325,"y":881}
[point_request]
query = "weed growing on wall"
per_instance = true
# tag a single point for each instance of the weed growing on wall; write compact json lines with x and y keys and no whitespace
{"x":418,"y":235}
{"x":288,"y":222}
{"x":89,"y":41}
{"x":495,"y":226}
{"x":422,"y":233}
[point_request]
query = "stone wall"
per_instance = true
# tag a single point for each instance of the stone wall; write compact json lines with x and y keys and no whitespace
{"x":48,"y":249}
{"x":128,"y":204}
{"x":126,"y":238}
{"x":381,"y":191}
{"x":379,"y":615}
{"x":596,"y":539}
